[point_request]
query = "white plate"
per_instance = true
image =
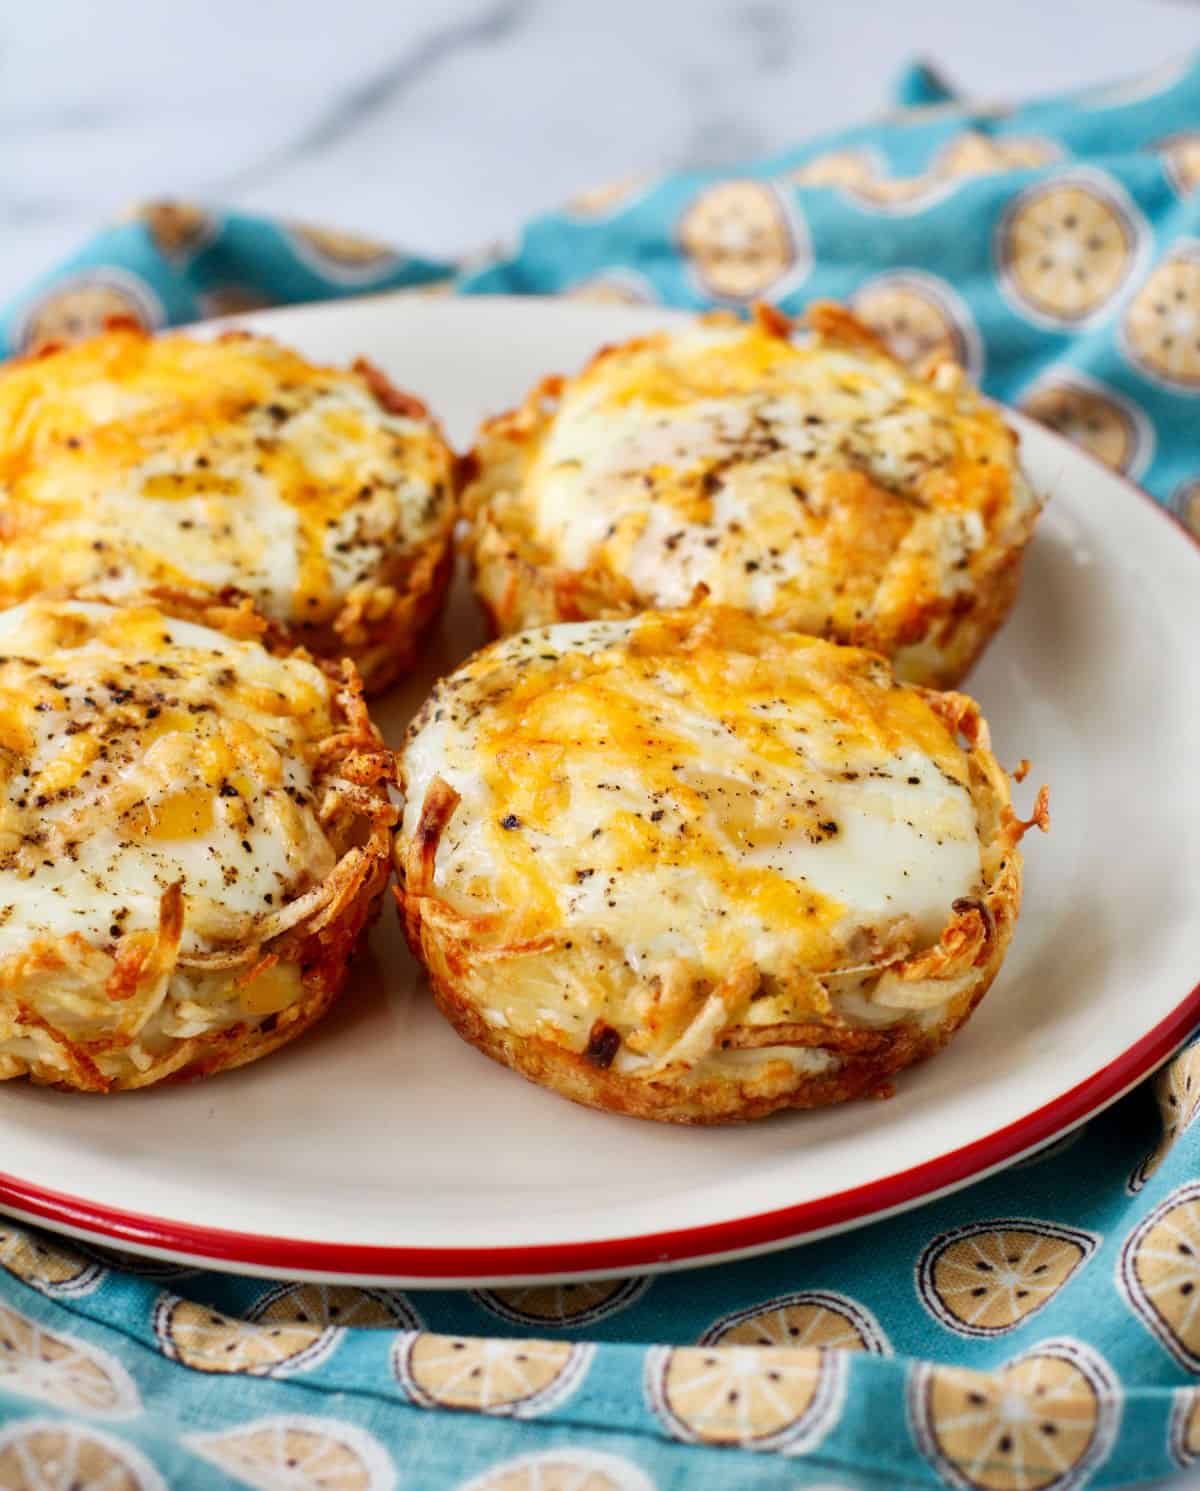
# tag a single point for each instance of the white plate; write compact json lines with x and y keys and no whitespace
{"x":381,"y":1148}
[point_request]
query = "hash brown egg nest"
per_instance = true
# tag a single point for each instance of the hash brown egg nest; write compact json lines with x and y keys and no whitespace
{"x":691,"y":867}
{"x":193,"y":835}
{"x":816,"y":482}
{"x":231,"y":469}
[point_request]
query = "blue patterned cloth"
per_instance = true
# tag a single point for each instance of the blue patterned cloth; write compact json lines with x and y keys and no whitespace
{"x":1036,"y":1332}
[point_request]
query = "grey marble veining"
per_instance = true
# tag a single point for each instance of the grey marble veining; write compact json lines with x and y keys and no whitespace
{"x":442,"y":126}
{"x":348,"y":113}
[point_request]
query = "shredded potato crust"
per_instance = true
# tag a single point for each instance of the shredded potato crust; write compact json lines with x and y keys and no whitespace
{"x":313,"y":938}
{"x":921,"y":995}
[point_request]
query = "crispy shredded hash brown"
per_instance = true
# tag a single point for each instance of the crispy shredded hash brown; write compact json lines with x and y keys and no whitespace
{"x":691,"y":868}
{"x":193,"y":836}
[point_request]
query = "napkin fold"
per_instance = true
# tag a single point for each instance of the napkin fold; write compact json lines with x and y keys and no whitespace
{"x":1036,"y":1332}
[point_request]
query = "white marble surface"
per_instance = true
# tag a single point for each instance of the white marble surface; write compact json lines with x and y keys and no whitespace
{"x":441,"y":126}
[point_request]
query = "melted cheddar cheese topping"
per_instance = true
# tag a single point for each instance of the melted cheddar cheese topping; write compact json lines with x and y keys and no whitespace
{"x":695,"y":791}
{"x":818,"y":481}
{"x":127,"y":462}
{"x":137,"y":752}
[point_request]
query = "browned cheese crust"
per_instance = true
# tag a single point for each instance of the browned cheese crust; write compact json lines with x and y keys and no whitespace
{"x":138,"y":466}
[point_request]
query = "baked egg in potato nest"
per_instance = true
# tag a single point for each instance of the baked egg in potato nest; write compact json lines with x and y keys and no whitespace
{"x":689,"y":866}
{"x":228,"y":470}
{"x":812,"y":480}
{"x":194,"y":834}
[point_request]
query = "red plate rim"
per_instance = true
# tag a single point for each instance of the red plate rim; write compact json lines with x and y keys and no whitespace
{"x":619,"y":1254}
{"x":841,"y":1210}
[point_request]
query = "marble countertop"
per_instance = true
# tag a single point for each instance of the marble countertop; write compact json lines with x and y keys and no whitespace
{"x":441,"y":127}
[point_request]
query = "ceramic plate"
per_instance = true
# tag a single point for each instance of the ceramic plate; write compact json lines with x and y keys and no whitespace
{"x":380,"y":1148}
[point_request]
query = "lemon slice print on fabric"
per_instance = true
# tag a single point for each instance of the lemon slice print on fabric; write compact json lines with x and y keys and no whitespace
{"x":1161,"y":328}
{"x":562,"y":1305}
{"x":293,"y":1453}
{"x":178,"y":229}
{"x":618,"y":287}
{"x":1185,"y":504}
{"x":1065,"y":247}
{"x":757,"y":1398}
{"x":813,"y":1318}
{"x":990,"y":1277}
{"x":920,"y":318}
{"x":1094,"y":418}
{"x":51,"y":1266}
{"x":1159,"y":1273}
{"x":53,"y":1455}
{"x":1184,"y":1432}
{"x":83,"y":306}
{"x":846,"y":168}
{"x":207,"y":1341}
{"x":41,"y":1363}
{"x":515,"y":1378}
{"x":862,"y":176}
{"x":136,"y":1263}
{"x":973,"y":153}
{"x":562,"y":1470}
{"x":345,"y":257}
{"x":900,"y":194}
{"x":740,"y":240}
{"x":1043,"y":1422}
{"x":1181,"y":157}
{"x":606,"y":200}
{"x":1177,"y":1085}
{"x":338,"y":1305}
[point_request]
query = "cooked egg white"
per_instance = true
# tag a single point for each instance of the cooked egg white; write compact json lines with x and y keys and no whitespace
{"x":660,"y":801}
{"x":129,"y":462}
{"x":137,"y":751}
